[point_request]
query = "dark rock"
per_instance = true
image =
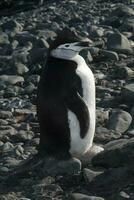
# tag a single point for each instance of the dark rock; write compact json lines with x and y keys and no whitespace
{"x":119,"y":43}
{"x":89,"y":174}
{"x":4,"y":38}
{"x":109,"y":55}
{"x":128,"y":93}
{"x":112,"y":181}
{"x":122,"y":10}
{"x":103,"y":135}
{"x":68,"y":167}
{"x":115,"y":154}
{"x":12,"y":26}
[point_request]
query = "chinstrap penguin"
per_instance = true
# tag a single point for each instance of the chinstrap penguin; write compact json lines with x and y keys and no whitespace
{"x":66,"y":101}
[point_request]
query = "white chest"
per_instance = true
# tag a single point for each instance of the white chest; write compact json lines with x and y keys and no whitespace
{"x":79,"y":145}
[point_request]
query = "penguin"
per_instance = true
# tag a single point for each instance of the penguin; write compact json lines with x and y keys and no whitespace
{"x":66,"y":100}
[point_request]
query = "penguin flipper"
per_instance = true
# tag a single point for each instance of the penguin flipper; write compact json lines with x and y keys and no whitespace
{"x":77,"y":105}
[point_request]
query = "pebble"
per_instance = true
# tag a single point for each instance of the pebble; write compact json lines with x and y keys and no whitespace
{"x":119,"y":121}
{"x":89,"y":174}
{"x":5,"y":114}
{"x":12,"y":79}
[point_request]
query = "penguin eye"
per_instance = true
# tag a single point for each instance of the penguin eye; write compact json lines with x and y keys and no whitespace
{"x":67,"y":45}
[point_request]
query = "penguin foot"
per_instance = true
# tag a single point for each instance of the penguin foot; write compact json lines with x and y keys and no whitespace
{"x":93,"y":151}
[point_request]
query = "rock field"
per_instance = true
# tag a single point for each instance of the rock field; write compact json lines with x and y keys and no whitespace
{"x":24,"y":40}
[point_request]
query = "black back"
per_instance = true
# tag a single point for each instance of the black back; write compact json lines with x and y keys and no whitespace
{"x":59,"y":89}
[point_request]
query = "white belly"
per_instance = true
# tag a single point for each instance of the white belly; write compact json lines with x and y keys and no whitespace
{"x":81,"y":145}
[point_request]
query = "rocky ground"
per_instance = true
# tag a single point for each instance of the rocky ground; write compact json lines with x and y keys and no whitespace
{"x":24,"y":40}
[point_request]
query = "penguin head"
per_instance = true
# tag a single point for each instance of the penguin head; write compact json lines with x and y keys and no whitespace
{"x":67,"y":45}
{"x":69,"y":50}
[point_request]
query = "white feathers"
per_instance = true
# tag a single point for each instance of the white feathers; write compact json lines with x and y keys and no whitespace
{"x":78,"y":145}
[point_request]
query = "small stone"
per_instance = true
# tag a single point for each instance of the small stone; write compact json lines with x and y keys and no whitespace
{"x":124,"y":195}
{"x":3,"y":38}
{"x":21,"y":68}
{"x":119,"y":43}
{"x":11,"y":79}
{"x":12,"y":27}
{"x":3,"y":170}
{"x":7,"y":147}
{"x":89,"y":174}
{"x":25,"y":135}
{"x":5,"y":114}
{"x":110,"y":55}
{"x":11,"y":162}
{"x":123,"y":72}
{"x":34,"y":79}
{"x":79,"y":196}
{"x":119,"y":121}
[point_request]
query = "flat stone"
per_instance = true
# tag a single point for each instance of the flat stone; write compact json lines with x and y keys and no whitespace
{"x":55,"y":167}
{"x":5,"y":114}
{"x":79,"y":196}
{"x":118,"y":43}
{"x":115,"y":154}
{"x":119,"y":121}
{"x":110,"y":55}
{"x":11,"y":79}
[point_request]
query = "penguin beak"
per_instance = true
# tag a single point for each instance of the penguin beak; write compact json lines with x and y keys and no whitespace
{"x":83,"y":44}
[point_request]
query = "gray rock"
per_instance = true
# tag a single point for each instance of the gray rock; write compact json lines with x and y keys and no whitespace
{"x":102,"y":115}
{"x":112,"y":181}
{"x":11,"y":79}
{"x":89,"y":174}
{"x":12,"y":27}
{"x":30,"y":89}
{"x":20,"y":68}
{"x":115,"y":154}
{"x":119,"y":43}
{"x":34,"y":79}
{"x":128,"y":93}
{"x":123,"y":72}
{"x":5,"y":114}
{"x":103,"y":135}
{"x":4,"y":38}
{"x":110,"y":55}
{"x":119,"y":121}
{"x":122,"y":10}
{"x":20,"y":55}
{"x":7,"y":147}
{"x":128,"y":25}
{"x":68,"y":167}
{"x":11,"y":162}
{"x":79,"y":196}
{"x":25,"y":135}
{"x":95,"y":31}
